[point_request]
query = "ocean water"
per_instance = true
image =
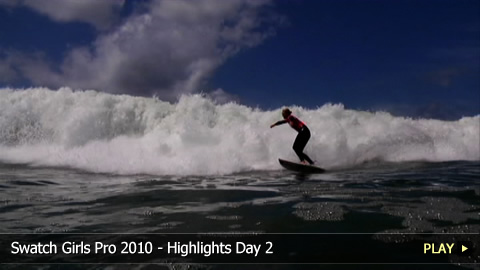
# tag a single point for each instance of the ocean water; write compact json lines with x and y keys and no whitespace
{"x":89,"y":162}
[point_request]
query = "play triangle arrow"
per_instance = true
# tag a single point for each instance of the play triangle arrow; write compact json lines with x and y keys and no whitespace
{"x":464,"y":248}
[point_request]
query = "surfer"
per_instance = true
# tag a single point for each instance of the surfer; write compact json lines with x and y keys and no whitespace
{"x":302,"y":137}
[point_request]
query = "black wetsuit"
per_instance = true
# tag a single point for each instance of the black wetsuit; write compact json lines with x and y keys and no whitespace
{"x":302,"y":137}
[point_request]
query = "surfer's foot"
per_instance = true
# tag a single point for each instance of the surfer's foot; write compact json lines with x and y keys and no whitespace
{"x":305,"y":162}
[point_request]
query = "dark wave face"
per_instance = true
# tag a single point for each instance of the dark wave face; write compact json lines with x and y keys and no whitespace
{"x":387,"y":197}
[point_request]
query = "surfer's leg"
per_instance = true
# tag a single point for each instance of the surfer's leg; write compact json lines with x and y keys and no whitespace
{"x":307,"y":159}
{"x":299,"y":144}
{"x":307,"y":137}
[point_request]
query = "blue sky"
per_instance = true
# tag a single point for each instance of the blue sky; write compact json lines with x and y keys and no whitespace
{"x":414,"y":58}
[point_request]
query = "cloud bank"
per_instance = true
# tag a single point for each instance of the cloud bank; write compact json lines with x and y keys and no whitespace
{"x":101,"y":14}
{"x":165,"y":48}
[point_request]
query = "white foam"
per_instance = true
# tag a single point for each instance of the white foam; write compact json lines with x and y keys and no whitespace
{"x":122,"y":134}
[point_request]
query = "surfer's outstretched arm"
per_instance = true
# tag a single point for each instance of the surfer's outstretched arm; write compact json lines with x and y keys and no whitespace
{"x":281,"y":122}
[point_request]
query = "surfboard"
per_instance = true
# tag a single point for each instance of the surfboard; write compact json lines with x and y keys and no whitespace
{"x":299,"y":167}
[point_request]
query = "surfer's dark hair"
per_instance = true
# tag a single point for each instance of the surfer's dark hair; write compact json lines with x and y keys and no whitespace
{"x":286,"y":112}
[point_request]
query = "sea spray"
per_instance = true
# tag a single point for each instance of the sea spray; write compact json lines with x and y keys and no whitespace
{"x":122,"y":134}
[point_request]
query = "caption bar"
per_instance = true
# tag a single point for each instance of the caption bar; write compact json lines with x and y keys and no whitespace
{"x":240,"y":248}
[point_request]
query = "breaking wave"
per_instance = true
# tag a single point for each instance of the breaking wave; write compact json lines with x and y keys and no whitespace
{"x":122,"y":134}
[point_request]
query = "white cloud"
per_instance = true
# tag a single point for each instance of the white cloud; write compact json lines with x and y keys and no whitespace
{"x":170,"y":49}
{"x":100,"y":13}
